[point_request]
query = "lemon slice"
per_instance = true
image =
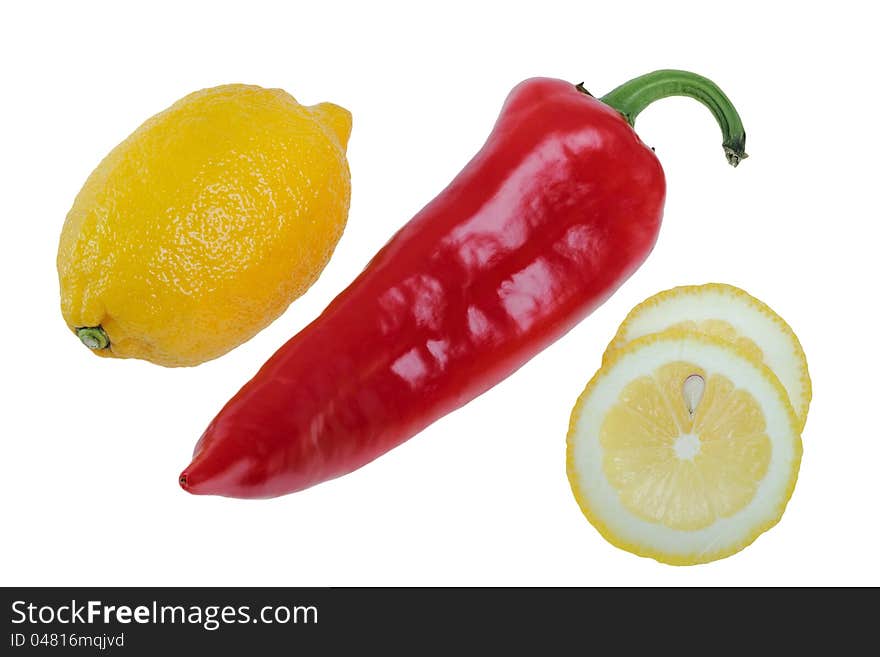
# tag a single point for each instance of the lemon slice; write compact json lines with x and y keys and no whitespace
{"x":683,"y":448}
{"x":733,"y":315}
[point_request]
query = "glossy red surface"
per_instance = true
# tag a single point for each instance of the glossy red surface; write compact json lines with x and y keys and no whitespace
{"x":558,"y":208}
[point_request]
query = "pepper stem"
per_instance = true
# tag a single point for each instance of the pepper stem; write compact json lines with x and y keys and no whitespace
{"x":632,"y":97}
{"x":94,"y":337}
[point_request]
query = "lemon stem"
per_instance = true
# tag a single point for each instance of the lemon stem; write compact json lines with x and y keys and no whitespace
{"x":94,"y":337}
{"x":632,"y":97}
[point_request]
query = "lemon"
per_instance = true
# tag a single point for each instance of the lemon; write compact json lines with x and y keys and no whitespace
{"x":733,"y":315}
{"x":683,"y":448}
{"x":201,"y":227}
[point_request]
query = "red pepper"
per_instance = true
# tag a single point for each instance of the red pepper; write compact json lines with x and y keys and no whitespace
{"x":558,"y":208}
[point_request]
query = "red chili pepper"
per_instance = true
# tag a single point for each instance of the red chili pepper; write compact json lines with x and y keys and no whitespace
{"x":558,"y":208}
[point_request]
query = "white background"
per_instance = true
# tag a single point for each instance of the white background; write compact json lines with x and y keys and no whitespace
{"x":92,"y":448}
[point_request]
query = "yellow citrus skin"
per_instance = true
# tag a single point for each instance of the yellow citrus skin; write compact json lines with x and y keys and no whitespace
{"x":201,"y":227}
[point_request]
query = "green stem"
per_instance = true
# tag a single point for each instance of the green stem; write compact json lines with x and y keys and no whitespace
{"x":94,"y":337}
{"x":632,"y":97}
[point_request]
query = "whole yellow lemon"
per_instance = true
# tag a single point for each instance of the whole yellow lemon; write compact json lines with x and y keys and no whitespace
{"x":201,"y":227}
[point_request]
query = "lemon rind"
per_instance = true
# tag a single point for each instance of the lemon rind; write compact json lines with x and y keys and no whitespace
{"x":803,"y":404}
{"x":647,"y":551}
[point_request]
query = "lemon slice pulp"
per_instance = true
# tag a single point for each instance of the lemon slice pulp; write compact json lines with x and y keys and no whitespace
{"x":683,"y":448}
{"x":731,"y":314}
